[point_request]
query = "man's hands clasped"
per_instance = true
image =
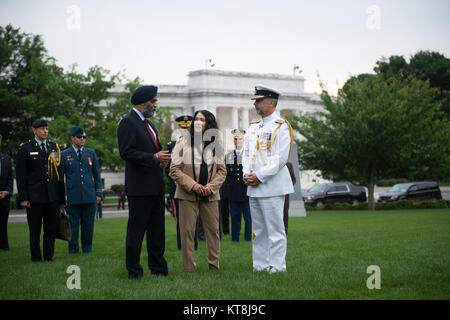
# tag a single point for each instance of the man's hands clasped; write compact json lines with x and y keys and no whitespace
{"x":251,"y":179}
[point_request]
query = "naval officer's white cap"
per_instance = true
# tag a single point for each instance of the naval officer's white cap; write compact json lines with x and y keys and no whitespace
{"x":263,"y":91}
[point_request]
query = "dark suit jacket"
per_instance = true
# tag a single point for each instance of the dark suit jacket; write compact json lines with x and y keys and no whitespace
{"x":143,"y":176}
{"x":83,"y":180}
{"x":35,"y":182}
{"x":6,"y":175}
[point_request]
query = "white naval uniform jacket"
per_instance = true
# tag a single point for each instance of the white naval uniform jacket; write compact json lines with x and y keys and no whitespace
{"x":270,"y":162}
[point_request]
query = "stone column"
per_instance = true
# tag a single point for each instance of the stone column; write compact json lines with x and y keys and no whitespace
{"x":234,"y":117}
{"x":244,"y":119}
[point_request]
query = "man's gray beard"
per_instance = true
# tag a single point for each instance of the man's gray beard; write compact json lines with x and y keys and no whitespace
{"x":148,"y":112}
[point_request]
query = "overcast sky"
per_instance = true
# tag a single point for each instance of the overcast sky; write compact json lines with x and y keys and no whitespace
{"x":161,"y":41}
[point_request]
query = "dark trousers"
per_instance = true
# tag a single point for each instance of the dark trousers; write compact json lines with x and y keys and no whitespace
{"x":48,"y":213}
{"x":99,"y":211}
{"x":235,"y":210}
{"x":4,"y":213}
{"x":224,"y":211}
{"x":83,"y":214}
{"x":146,"y":216}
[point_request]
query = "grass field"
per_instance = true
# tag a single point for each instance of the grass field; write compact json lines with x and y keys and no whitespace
{"x":327,"y":258}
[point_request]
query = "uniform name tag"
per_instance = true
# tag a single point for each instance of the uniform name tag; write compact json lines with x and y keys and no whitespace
{"x":34,"y":153}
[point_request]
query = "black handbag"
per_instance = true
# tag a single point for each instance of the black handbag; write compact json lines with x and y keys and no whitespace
{"x":64,"y":230}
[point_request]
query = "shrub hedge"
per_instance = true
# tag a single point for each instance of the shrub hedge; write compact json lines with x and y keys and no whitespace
{"x":401,"y":204}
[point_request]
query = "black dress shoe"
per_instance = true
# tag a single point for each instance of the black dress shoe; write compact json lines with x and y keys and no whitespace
{"x":135,"y":276}
{"x":213,"y":267}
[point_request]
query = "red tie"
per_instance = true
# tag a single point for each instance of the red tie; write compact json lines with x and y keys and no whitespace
{"x":151,"y":134}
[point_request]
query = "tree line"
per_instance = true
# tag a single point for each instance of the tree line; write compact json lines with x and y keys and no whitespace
{"x":393,"y":123}
{"x":33,"y":86}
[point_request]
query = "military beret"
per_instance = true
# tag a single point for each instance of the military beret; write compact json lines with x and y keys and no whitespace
{"x":40,"y":123}
{"x":143,"y":94}
{"x":262,"y":92}
{"x":184,"y":121}
{"x":76,"y":131}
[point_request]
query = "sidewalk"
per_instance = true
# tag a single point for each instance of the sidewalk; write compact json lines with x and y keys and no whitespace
{"x":20,"y":215}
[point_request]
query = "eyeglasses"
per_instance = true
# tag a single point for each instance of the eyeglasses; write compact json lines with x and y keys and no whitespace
{"x":81,"y":137}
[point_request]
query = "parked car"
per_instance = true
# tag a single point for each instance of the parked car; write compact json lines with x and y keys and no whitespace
{"x":335,"y":192}
{"x":415,"y":191}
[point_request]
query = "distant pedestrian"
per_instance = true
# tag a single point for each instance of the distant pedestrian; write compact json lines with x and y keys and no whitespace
{"x":121,"y":197}
{"x":100,"y":209}
{"x":84,"y":189}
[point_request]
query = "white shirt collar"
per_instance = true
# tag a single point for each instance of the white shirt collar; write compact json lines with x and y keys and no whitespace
{"x":40,"y":142}
{"x":139,"y":114}
{"x":76,"y":149}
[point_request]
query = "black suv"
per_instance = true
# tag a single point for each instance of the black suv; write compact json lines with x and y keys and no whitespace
{"x":415,"y":191}
{"x":335,"y":192}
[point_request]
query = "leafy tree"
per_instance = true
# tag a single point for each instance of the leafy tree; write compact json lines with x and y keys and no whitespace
{"x":32,"y":86}
{"x":424,"y":65}
{"x":374,"y":129}
{"x":29,"y":80}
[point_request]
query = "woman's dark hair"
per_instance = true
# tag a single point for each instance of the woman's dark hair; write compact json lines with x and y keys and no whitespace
{"x":210,"y":123}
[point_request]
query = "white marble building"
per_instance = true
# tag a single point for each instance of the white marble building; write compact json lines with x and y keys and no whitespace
{"x":227,"y":95}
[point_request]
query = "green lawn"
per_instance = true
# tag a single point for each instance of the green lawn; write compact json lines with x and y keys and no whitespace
{"x":327,"y":257}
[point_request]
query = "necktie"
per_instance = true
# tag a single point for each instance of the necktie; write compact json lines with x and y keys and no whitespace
{"x":151,"y":134}
{"x":43,"y":147}
{"x":79,"y":154}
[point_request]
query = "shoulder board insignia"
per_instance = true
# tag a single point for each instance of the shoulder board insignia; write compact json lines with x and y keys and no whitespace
{"x":280,"y":121}
{"x":21,"y":144}
{"x":255,"y":122}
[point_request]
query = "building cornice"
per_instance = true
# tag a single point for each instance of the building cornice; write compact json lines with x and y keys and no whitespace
{"x":242,"y":74}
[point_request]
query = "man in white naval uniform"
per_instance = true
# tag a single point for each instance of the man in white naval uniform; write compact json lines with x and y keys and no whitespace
{"x":267,"y":147}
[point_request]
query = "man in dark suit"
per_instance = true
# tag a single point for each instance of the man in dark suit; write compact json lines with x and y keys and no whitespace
{"x":6,"y":191}
{"x":40,"y":183}
{"x":139,"y":146}
{"x":237,"y":195}
{"x":84,"y":189}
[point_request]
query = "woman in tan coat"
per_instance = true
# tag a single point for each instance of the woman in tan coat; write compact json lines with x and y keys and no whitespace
{"x":198,"y":169}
